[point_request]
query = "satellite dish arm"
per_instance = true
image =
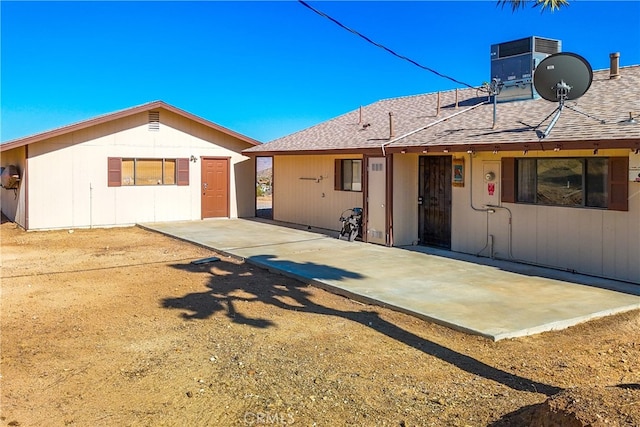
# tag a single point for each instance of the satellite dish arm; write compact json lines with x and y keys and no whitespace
{"x":555,"y":118}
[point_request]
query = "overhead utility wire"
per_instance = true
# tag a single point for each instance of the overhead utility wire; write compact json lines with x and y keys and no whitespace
{"x":324,"y":15}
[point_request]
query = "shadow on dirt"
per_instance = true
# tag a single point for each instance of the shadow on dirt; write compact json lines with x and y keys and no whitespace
{"x":232,"y":283}
{"x":524,"y":416}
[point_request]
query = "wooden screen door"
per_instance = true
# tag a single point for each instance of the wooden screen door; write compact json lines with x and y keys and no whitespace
{"x":435,"y":201}
{"x":215,"y":188}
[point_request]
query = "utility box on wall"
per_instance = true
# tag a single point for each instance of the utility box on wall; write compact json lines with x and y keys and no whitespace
{"x":490,"y":183}
{"x":514,"y":63}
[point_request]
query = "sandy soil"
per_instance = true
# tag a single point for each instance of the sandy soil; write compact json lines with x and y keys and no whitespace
{"x":113,"y":327}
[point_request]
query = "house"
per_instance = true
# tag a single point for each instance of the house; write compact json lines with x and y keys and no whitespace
{"x":153,"y":162}
{"x":457,"y":171}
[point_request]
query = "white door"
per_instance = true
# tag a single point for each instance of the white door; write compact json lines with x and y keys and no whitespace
{"x":376,"y":209}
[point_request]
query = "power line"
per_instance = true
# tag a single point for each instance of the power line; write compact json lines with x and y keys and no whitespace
{"x":341,"y":25}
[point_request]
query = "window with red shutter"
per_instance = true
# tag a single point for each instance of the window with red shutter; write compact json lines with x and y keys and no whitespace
{"x":114,"y":172}
{"x":182,"y":166}
{"x":508,"y":179}
{"x":619,"y":183}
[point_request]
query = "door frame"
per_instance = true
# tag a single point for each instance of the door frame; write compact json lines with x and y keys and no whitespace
{"x":228,"y":179}
{"x":272,"y":185}
{"x":447,"y":175}
{"x":388,"y":228}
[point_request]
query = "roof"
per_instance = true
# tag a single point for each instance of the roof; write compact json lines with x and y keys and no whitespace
{"x":118,"y":115}
{"x":464,"y":121}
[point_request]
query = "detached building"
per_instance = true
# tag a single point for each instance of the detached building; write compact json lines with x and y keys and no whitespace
{"x":153,"y":162}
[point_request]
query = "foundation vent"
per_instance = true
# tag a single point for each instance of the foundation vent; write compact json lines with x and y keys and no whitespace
{"x":376,"y":234}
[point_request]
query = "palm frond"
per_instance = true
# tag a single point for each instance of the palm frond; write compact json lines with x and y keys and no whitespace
{"x":543,"y":4}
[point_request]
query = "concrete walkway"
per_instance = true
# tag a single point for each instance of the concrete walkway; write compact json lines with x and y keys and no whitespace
{"x":495,"y":299}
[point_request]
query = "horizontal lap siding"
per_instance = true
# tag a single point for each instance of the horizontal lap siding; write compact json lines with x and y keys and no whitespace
{"x":304,"y":193}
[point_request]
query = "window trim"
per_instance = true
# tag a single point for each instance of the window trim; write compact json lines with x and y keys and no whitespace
{"x":338,"y":181}
{"x":617,"y":183}
{"x":114,"y":171}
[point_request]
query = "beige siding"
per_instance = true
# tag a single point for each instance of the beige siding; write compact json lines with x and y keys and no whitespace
{"x":68,"y":174}
{"x":303,"y":191}
{"x":12,"y":203}
{"x":405,"y":199}
{"x":593,"y":241}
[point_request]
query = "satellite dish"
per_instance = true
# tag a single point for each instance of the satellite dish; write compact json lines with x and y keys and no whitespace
{"x":562,"y":76}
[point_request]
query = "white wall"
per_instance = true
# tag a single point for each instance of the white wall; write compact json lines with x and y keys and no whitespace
{"x":68,"y":174}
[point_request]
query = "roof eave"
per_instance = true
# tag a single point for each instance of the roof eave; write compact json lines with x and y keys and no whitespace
{"x":342,"y":151}
{"x":542,"y":145}
{"x":16,"y":143}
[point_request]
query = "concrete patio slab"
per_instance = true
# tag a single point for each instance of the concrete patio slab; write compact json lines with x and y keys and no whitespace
{"x":495,"y":299}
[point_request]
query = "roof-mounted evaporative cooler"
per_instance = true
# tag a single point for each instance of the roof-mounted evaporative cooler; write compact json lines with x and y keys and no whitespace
{"x":513,"y":64}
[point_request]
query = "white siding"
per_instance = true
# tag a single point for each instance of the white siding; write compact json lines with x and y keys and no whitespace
{"x":68,"y":174}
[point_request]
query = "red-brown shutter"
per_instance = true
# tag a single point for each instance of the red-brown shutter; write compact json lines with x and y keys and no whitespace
{"x":619,"y":183}
{"x":182,"y":166}
{"x":114,"y":172}
{"x":509,"y":179}
{"x":337,"y":183}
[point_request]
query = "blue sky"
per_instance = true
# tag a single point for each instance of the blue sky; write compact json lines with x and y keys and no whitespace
{"x":267,"y":69}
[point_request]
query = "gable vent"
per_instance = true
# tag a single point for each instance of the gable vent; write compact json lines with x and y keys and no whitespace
{"x":154,"y":120}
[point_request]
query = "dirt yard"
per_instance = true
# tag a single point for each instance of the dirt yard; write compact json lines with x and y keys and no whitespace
{"x":116,"y":327}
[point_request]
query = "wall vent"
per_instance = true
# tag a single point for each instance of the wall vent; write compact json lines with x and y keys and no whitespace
{"x":377,"y":167}
{"x":376,"y":234}
{"x":154,"y":120}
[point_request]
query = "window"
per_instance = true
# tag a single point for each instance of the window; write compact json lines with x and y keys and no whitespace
{"x":575,"y":182}
{"x":348,"y":175}
{"x":138,"y":172}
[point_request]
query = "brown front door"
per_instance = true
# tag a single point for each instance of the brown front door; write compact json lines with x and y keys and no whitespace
{"x":435,"y":201}
{"x":215,"y":188}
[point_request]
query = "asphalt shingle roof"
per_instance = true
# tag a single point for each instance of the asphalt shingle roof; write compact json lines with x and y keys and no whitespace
{"x":419,"y":123}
